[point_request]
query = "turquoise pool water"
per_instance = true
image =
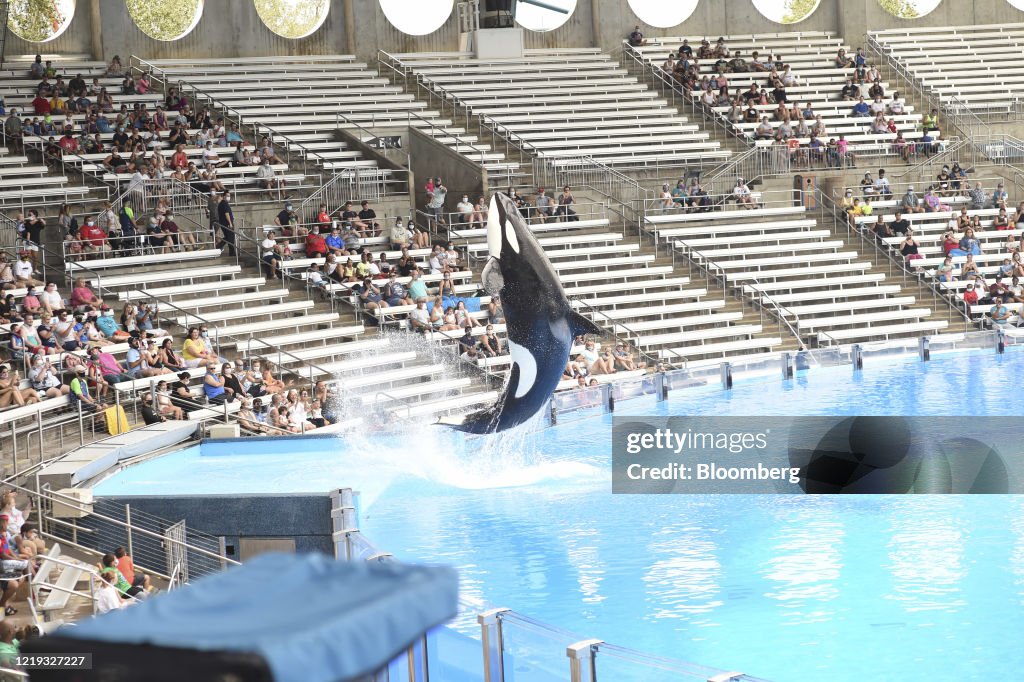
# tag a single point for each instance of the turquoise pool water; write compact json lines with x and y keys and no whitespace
{"x":786,"y":588}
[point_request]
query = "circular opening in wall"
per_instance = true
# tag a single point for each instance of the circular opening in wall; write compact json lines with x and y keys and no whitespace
{"x":39,"y":21}
{"x":545,"y":17}
{"x":166,"y":20}
{"x":661,"y":14}
{"x":909,"y":9}
{"x":786,"y":11}
{"x":293,"y":18}
{"x":417,"y":17}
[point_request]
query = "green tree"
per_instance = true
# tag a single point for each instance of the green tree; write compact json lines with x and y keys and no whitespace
{"x":39,"y":20}
{"x":904,"y":9}
{"x":292,"y":18}
{"x":798,"y":10}
{"x":164,"y":20}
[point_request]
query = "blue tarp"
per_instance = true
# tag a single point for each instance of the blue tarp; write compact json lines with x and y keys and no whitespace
{"x":311,"y":618}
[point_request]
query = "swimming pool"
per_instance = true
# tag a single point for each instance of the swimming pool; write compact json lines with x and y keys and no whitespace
{"x":786,"y":588}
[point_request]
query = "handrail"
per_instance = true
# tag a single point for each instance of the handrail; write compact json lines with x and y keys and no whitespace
{"x":675,"y":88}
{"x":828,"y":203}
{"x":779,"y":314}
{"x":651,"y":360}
{"x":75,"y":503}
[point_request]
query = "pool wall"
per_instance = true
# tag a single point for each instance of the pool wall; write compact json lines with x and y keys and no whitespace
{"x":305,"y":518}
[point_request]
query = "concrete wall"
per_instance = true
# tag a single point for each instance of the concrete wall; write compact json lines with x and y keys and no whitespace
{"x":306,"y":518}
{"x":233,"y":28}
{"x":433,"y":159}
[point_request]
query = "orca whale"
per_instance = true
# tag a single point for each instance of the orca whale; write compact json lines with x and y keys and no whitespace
{"x":539,"y":321}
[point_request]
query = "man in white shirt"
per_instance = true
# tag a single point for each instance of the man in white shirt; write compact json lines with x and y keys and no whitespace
{"x":211,"y":159}
{"x":742,"y":194}
{"x":23,"y":272}
{"x":465,"y":209}
{"x":882,"y":185}
{"x":420,"y":318}
{"x":265,"y":176}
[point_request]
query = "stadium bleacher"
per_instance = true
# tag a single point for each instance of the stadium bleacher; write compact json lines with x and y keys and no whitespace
{"x":817,"y":87}
{"x":564,"y":104}
{"x":975,"y":66}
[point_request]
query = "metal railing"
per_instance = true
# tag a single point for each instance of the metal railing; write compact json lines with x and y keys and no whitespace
{"x":508,"y":637}
{"x":895,"y":260}
{"x":101,"y":525}
{"x":633,"y":61}
{"x":584,"y":171}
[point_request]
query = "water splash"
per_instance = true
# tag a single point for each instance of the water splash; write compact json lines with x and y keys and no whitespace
{"x":398,"y":447}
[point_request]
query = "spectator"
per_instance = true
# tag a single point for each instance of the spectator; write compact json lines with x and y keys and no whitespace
{"x":466,"y":341}
{"x":214,"y":387}
{"x":860,"y":109}
{"x":267,"y":179}
{"x":741,"y":193}
{"x":999,"y":313}
{"x":226,"y":221}
{"x":10,"y":393}
{"x":370,"y":295}
{"x":565,"y":202}
{"x":367,"y":214}
{"x":44,"y":378}
{"x":316,"y":245}
{"x":545,"y":205}
{"x":970,"y":295}
{"x":395,"y":292}
{"x":944,"y":273}
{"x":419,"y":319}
{"x":80,"y":392}
{"x":909,"y":202}
{"x":899,"y":225}
{"x":149,"y":413}
{"x":636,"y":37}
{"x":12,"y":570}
{"x":194,"y":350}
{"x":842,"y":61}
{"x":999,"y":197}
{"x":594,"y":362}
{"x":437,"y":192}
{"x":490,"y":343}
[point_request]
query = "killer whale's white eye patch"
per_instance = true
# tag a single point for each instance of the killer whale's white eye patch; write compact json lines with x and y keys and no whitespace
{"x":524,"y":359}
{"x":510,"y":235}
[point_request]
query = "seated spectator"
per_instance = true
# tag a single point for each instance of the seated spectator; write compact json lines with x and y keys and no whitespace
{"x":214,"y":387}
{"x":970,"y":295}
{"x":999,"y":197}
{"x":636,"y":37}
{"x":80,"y":391}
{"x":13,"y":570}
{"x":850,"y":91}
{"x":466,"y":341}
{"x":842,"y":61}
{"x":944,"y":273}
{"x":860,"y":109}
{"x":999,"y":313}
{"x":594,"y":362}
{"x":419,"y":319}
{"x":764,"y":131}
{"x":82,"y":295}
{"x":741,"y":193}
{"x":909,"y":202}
{"x":45,"y":379}
{"x":266,"y":178}
{"x":565,"y":202}
{"x":24,"y":270}
{"x":395,"y":293}
{"x":194,"y":351}
{"x":545,"y":205}
{"x":316,"y":245}
{"x":10,"y":393}
{"x":463,"y":317}
{"x":490,"y":344}
{"x":370,"y":295}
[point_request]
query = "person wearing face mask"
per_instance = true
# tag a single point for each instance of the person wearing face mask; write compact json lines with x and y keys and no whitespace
{"x":420,"y":236}
{"x":93,"y":237}
{"x":465,"y":209}
{"x":397,"y":236}
{"x":45,"y":380}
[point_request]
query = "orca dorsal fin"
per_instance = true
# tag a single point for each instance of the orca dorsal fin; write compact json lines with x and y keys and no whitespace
{"x":580,"y":325}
